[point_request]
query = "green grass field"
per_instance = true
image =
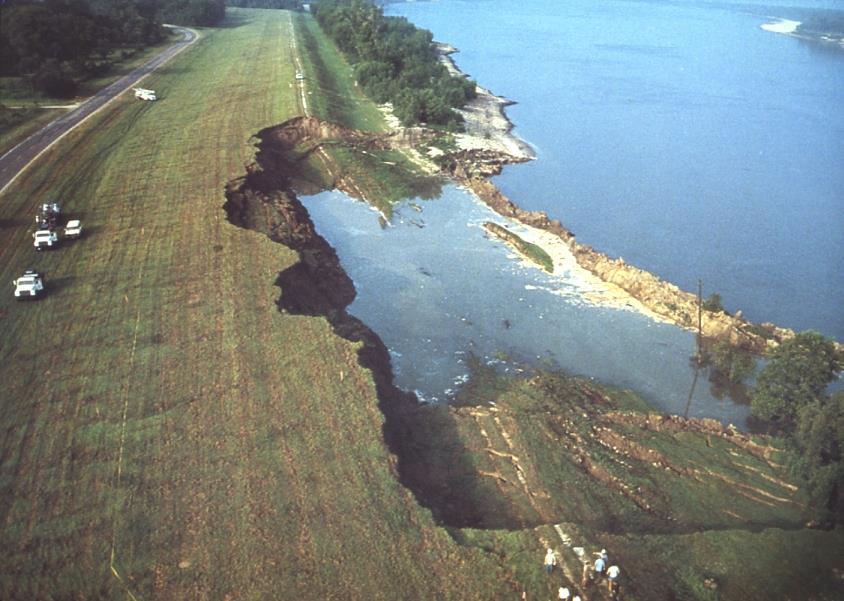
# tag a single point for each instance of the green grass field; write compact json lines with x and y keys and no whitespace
{"x":168,"y":433}
{"x":535,"y":253}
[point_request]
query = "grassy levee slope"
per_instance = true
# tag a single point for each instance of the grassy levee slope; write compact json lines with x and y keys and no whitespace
{"x":167,"y":433}
{"x":379,"y":177}
{"x":550,"y":460}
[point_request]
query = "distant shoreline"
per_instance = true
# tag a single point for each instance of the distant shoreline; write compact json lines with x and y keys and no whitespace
{"x":795,"y":29}
{"x":489,"y":136}
{"x":487,"y":125}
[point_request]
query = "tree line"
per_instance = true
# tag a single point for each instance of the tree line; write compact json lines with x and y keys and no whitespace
{"x":54,"y":44}
{"x":791,"y":398}
{"x":394,"y":61}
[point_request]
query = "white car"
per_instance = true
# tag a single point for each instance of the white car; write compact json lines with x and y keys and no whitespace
{"x":45,"y":239}
{"x":73,"y":229}
{"x":29,"y":285}
{"x":144,"y":94}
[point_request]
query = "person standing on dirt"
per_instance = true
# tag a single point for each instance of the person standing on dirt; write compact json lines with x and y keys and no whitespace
{"x":550,"y":561}
{"x":564,"y":593}
{"x":600,"y":565}
{"x":603,"y":555}
{"x":612,"y":579}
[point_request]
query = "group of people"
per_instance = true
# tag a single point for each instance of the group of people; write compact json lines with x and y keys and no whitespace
{"x":592,"y":572}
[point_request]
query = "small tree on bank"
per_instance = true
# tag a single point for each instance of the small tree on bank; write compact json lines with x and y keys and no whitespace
{"x":797,"y":375}
{"x":791,"y":393}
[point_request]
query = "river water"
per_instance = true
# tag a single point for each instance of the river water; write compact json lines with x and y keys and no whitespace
{"x":678,"y":135}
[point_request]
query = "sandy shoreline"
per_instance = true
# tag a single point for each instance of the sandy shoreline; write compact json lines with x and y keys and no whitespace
{"x":489,"y":131}
{"x":792,"y":29}
{"x":595,"y":290}
{"x":486,"y":123}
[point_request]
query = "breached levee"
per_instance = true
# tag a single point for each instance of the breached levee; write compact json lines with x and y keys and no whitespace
{"x":662,"y":300}
{"x":264,"y":200}
{"x":463,"y":495}
{"x":285,"y":147}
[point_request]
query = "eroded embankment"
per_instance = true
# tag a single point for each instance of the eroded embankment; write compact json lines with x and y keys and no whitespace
{"x":477,"y":467}
{"x":264,"y":200}
{"x":472,"y":168}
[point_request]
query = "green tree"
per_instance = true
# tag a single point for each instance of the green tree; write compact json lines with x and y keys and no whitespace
{"x":55,"y":79}
{"x":797,"y":374}
{"x":819,"y":443}
{"x":732,"y":363}
{"x":713,"y":303}
{"x":55,"y":43}
{"x":395,"y":62}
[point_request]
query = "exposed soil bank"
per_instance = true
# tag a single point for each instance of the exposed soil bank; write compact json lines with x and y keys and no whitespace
{"x":264,"y":200}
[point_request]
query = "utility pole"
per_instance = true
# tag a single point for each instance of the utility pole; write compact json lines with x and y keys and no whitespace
{"x":698,"y":358}
{"x":699,"y":321}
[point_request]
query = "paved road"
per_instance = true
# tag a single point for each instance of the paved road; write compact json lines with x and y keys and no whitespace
{"x":14,"y":162}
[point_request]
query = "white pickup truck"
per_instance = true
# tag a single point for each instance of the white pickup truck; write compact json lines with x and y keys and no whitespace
{"x":45,"y":239}
{"x":29,"y":285}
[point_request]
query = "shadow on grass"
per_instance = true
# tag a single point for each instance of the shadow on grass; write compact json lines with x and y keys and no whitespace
{"x":9,"y":223}
{"x":55,"y":286}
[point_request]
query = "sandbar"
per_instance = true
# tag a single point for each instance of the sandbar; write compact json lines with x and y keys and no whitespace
{"x":784,"y":26}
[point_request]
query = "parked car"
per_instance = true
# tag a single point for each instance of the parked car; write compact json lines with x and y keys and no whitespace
{"x":73,"y":229}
